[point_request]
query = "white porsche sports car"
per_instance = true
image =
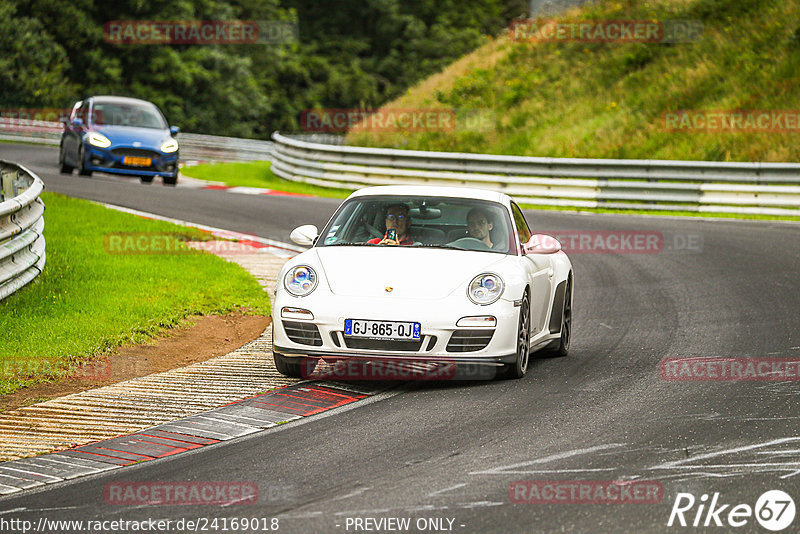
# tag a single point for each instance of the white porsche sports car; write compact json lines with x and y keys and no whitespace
{"x":423,"y":274}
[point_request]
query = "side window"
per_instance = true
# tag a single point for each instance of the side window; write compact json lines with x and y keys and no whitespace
{"x":523,"y":232}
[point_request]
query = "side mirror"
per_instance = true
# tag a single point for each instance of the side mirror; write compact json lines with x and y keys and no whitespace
{"x":77,"y":122}
{"x":542,"y":244}
{"x":304,"y":235}
{"x":174,"y":130}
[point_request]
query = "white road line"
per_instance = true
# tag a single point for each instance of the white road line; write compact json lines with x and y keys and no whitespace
{"x":508,"y":469}
{"x":52,"y":478}
{"x":684,"y":477}
{"x":439,"y":492}
{"x":42,"y":509}
{"x":479,"y":504}
{"x":781,"y":466}
{"x":353,"y":494}
{"x":679,"y":463}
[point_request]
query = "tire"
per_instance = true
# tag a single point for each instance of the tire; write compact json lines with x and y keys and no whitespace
{"x":562,"y":348}
{"x":170,"y":180}
{"x":146,"y":179}
{"x":82,"y":170}
{"x":520,"y":365}
{"x":295,"y":367}
{"x":65,"y":169}
{"x":286,"y":366}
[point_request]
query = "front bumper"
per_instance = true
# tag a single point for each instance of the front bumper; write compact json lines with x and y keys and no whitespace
{"x":441,"y":340}
{"x":387,"y":356}
{"x":111,"y":160}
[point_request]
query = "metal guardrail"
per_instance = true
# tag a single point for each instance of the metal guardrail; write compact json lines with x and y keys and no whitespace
{"x":22,"y":246}
{"x":192,"y":146}
{"x":48,"y":133}
{"x":213,"y":147}
{"x":701,"y":186}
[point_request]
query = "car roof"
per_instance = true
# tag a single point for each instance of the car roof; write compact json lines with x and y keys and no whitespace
{"x":433,"y":191}
{"x":121,"y":99}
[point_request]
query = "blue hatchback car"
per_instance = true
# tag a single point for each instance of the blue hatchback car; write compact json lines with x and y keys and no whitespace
{"x":122,"y":136}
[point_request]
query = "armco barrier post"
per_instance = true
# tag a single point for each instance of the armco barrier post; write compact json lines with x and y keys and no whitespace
{"x":9,"y":191}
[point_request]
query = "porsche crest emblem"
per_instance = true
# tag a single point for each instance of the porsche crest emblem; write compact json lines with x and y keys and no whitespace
{"x":388,"y":289}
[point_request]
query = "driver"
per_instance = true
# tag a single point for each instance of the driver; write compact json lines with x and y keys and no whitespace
{"x":479,"y":225}
{"x":397,"y":218}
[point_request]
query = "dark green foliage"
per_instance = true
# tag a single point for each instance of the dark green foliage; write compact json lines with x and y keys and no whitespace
{"x":794,"y":40}
{"x":351,"y":53}
{"x":32,"y":63}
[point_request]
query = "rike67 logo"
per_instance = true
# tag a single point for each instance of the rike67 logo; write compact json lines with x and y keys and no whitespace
{"x":774,"y":510}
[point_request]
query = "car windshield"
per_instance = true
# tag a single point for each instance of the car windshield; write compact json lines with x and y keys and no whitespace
{"x":423,"y":222}
{"x":127,"y":114}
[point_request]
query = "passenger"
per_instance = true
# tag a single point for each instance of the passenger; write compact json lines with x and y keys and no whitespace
{"x":479,"y":225}
{"x":397,"y":219}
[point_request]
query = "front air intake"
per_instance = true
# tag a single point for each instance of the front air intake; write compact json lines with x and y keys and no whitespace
{"x":469,"y":340}
{"x":303,"y":333}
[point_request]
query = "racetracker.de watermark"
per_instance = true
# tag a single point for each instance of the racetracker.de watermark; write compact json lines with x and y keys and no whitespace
{"x":585,"y":492}
{"x":199,"y":32}
{"x":180,"y":493}
{"x":624,"y":241}
{"x":730,"y":369}
{"x":158,"y":243}
{"x":732,"y":121}
{"x":404,"y":369}
{"x":341,"y":120}
{"x":147,"y":243}
{"x":32,"y":117}
{"x":606,"y":31}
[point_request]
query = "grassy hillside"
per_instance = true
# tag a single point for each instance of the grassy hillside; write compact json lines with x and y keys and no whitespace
{"x":608,"y":100}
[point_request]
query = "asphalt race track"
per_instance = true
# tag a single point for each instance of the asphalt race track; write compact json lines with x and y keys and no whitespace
{"x":449,"y":451}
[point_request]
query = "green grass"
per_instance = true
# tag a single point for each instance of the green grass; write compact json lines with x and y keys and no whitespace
{"x":608,"y":100}
{"x":257,"y":174}
{"x":88,"y":301}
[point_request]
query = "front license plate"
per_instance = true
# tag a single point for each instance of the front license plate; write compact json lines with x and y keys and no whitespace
{"x":381,"y":329}
{"x":135,"y":161}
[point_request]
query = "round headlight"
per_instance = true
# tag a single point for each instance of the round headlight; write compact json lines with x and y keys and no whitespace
{"x":485,"y":288}
{"x":300,"y":280}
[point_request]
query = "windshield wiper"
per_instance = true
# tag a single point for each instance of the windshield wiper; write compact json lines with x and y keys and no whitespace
{"x":349,"y":245}
{"x":434,"y":245}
